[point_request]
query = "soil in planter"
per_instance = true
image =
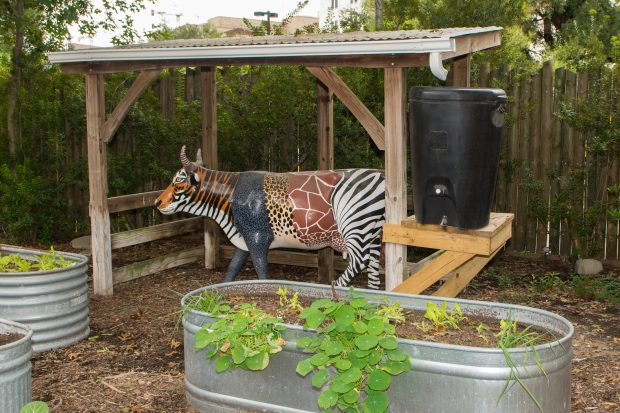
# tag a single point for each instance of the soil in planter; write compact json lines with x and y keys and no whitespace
{"x":8,"y":338}
{"x":470,"y":333}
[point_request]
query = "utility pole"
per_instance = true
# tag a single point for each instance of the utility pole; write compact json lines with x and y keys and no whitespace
{"x":269,"y":16}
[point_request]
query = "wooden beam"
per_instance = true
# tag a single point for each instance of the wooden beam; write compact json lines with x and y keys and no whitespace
{"x":133,"y":201}
{"x":98,"y":187}
{"x":135,"y":91}
{"x":334,"y":83}
{"x":363,"y":61}
{"x":157,"y":264}
{"x":325,"y":150}
{"x":472,"y":43}
{"x":460,"y":74}
{"x":463,"y":275}
{"x":429,"y":275}
{"x":208,"y":100}
{"x":155,"y":232}
{"x":395,"y":173}
{"x":482,"y":241}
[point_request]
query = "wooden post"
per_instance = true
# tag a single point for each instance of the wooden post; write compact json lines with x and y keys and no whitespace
{"x":208,"y":99}
{"x":395,"y":173}
{"x":325,"y":150}
{"x":461,"y":71}
{"x":98,"y":187}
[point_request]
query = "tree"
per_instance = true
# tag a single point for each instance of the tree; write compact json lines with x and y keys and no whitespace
{"x":187,"y":31}
{"x":28,"y":28}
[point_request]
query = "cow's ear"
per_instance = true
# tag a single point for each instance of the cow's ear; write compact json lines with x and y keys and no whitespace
{"x":194,"y":179}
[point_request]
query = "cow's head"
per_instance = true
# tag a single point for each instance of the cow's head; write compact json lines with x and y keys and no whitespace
{"x":185,"y":184}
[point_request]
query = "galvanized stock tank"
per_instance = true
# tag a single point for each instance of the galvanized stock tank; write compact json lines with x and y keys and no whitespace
{"x":54,"y":303}
{"x":15,"y":368}
{"x":444,"y":378}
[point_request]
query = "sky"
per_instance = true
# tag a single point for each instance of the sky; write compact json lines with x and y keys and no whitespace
{"x":199,"y":11}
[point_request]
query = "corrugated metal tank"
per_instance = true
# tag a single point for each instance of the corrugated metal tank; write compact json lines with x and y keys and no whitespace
{"x":444,"y":378}
{"x":15,"y":368}
{"x":54,"y":303}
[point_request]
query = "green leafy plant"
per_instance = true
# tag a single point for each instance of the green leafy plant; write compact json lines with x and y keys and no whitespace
{"x":548,"y":282}
{"x":481,"y":329}
{"x":244,"y":336}
{"x":440,"y":318}
{"x":45,"y":262}
{"x":210,"y":301}
{"x":290,"y":303}
{"x":35,"y":407}
{"x":605,"y":288}
{"x":355,"y":353}
{"x":510,"y":336}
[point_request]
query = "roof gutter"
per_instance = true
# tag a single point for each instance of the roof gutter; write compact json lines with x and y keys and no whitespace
{"x":403,"y":46}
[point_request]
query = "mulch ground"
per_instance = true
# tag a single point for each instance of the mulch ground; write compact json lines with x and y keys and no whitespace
{"x":132,"y":361}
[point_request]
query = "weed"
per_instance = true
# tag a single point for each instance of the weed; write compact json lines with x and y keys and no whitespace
{"x":510,"y":336}
{"x":549,"y":282}
{"x":441,"y":318}
{"x":290,"y":303}
{"x":500,"y":278}
{"x":604,"y":288}
{"x":481,"y":330}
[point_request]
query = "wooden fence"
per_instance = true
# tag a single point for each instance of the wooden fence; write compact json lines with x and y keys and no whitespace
{"x":540,"y":155}
{"x":539,"y":151}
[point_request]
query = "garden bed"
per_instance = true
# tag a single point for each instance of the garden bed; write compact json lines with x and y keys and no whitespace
{"x":474,"y":330}
{"x":133,"y":360}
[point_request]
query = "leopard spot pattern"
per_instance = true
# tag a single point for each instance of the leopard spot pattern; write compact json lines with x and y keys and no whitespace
{"x":278,"y":206}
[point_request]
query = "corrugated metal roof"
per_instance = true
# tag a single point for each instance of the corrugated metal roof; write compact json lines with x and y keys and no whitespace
{"x":315,"y":38}
{"x":328,"y":44}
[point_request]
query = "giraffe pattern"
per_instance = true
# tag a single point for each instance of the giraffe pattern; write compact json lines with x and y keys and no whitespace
{"x":313,"y":216}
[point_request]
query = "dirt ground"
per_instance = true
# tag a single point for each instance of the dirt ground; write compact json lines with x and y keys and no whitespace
{"x":133,"y":360}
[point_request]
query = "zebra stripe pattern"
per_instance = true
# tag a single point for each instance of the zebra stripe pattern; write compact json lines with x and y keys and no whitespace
{"x":358,"y":201}
{"x":210,"y":199}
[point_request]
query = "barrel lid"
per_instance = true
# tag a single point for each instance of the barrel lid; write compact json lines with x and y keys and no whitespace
{"x":447,"y":93}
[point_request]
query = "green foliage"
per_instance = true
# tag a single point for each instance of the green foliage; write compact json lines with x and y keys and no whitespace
{"x":210,"y":301}
{"x":502,"y":279}
{"x":605,"y":288}
{"x":35,"y":407}
{"x":549,"y":282}
{"x":290,"y":303}
{"x":27,"y":202}
{"x":187,"y":31}
{"x":244,"y":336}
{"x":355,"y":352}
{"x":44,"y":262}
{"x":509,"y":337}
{"x":440,"y":318}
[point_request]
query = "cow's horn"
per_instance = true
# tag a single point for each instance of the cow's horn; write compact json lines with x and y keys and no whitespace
{"x":199,"y":158}
{"x":187,"y":165}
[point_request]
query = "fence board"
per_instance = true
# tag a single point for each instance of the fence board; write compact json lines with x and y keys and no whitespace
{"x":560,"y":239}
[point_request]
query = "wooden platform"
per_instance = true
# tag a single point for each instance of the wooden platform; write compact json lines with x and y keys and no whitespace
{"x":463,"y":253}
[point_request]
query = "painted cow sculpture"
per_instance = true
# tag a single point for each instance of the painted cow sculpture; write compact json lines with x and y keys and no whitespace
{"x":342,"y":209}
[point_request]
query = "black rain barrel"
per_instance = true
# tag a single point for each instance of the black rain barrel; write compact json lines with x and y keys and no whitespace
{"x":455,"y":145}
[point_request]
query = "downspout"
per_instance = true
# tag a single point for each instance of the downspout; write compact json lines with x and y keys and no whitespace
{"x":436,"y":64}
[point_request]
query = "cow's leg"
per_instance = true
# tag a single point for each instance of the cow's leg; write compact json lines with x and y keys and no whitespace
{"x":235,"y":265}
{"x":356,"y":265}
{"x":259,"y":247}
